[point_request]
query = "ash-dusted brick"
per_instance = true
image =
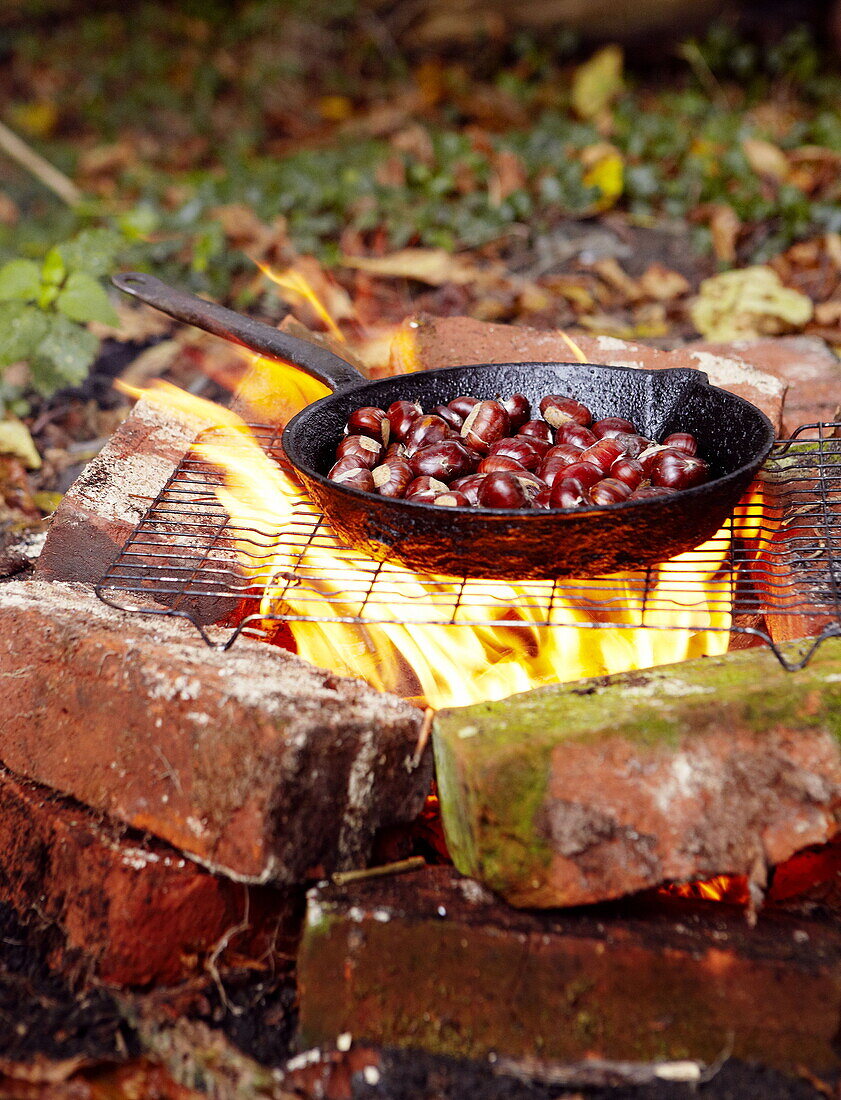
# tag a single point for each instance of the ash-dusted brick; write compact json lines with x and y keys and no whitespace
{"x":806,"y":365}
{"x":592,"y":790}
{"x":111,"y":495}
{"x":252,"y":761}
{"x":431,"y":961}
{"x":431,"y":342}
{"x":130,"y":911}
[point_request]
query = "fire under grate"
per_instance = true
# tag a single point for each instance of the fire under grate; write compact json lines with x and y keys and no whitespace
{"x":778,"y":558}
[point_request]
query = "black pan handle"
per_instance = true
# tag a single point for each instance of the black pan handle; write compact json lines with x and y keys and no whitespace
{"x":254,"y":335}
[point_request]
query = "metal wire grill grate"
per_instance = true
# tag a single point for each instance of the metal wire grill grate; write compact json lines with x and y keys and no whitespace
{"x":773,"y":571}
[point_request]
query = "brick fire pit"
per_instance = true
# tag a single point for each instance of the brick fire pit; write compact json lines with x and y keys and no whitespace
{"x":210,"y":788}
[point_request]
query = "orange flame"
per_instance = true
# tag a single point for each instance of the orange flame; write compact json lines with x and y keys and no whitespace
{"x":442,"y":665}
{"x":295,"y":282}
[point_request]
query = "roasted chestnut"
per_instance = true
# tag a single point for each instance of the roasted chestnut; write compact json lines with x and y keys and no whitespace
{"x":486,"y":423}
{"x":363,"y":447}
{"x":369,"y":420}
{"x":393,"y":478}
{"x":444,"y":460}
{"x":502,"y":490}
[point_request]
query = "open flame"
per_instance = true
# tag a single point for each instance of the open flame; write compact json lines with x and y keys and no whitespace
{"x":440,"y":665}
{"x":436,"y":665}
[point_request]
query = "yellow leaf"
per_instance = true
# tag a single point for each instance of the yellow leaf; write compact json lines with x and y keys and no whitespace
{"x":16,"y":440}
{"x":608,"y":177}
{"x":740,"y":305}
{"x":597,"y":82}
{"x":335,"y":108}
{"x":434,"y":266}
{"x":38,"y":119}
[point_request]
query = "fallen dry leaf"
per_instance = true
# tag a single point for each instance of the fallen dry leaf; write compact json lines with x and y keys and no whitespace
{"x":724,"y":227}
{"x":662,"y":283}
{"x":743,"y":304}
{"x":614,"y":275}
{"x":766,"y":159}
{"x":597,"y":82}
{"x":434,"y":266}
{"x":16,"y":440}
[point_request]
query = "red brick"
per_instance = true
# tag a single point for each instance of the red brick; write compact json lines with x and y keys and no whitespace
{"x":431,"y":342}
{"x":111,"y":495}
{"x":131,"y":911}
{"x":430,"y":961}
{"x":595,"y":789}
{"x":252,"y":761}
{"x":807,"y":366}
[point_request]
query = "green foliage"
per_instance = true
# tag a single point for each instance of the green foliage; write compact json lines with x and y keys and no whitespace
{"x":44,"y":310}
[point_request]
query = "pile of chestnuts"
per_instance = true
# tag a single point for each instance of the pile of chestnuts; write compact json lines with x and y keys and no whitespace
{"x":494,"y":454}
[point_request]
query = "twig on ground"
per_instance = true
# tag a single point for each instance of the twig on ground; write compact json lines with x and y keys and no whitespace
{"x":34,"y":163}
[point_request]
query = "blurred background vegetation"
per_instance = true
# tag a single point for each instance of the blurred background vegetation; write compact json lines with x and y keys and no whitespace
{"x":200,"y":136}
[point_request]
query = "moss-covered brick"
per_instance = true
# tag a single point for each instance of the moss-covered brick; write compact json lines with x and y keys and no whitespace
{"x":431,"y":961}
{"x":597,"y":788}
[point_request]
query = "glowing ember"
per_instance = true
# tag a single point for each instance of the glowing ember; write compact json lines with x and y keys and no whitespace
{"x":728,"y":888}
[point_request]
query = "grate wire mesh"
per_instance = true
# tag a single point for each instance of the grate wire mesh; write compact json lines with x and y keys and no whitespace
{"x":773,"y":571}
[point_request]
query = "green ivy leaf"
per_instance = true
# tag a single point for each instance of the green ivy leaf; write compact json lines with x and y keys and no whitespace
{"x":93,"y":250}
{"x":53,"y":272}
{"x":84,"y":299}
{"x":22,"y":327}
{"x":64,"y":355}
{"x":20,"y":280}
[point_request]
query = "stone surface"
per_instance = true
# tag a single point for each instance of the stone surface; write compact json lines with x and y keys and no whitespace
{"x":587,"y":791}
{"x":431,"y":961}
{"x":252,"y":761}
{"x":806,"y":365}
{"x":111,"y":495}
{"x":130,"y":911}
{"x":431,"y":342}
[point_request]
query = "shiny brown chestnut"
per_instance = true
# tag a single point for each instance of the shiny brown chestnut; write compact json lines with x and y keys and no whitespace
{"x":582,"y":474}
{"x":449,"y":415}
{"x":462,"y":405}
{"x":609,"y":490}
{"x":452,"y":499}
{"x":676,"y":470}
{"x":611,"y":426}
{"x":682,"y":441}
{"x":567,"y":494}
{"x":557,"y":409}
{"x":369,"y":451}
{"x":486,"y":423}
{"x":574,"y":434}
{"x":502,"y":490}
{"x":422,"y":485}
{"x":444,"y":460}
{"x":393,"y":478}
{"x":522,"y":448}
{"x":494,"y":464}
{"x":628,"y":470}
{"x":469,"y":486}
{"x":401,"y":416}
{"x":539,"y":429}
{"x":425,"y":430}
{"x":369,"y":420}
{"x":360,"y":478}
{"x":518,"y":408}
{"x":602,"y":454}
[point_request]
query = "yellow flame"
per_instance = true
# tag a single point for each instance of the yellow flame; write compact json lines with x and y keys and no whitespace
{"x":446,"y":665}
{"x":295,"y":282}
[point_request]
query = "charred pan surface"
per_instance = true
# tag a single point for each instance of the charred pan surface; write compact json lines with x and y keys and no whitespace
{"x":732,"y":435}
